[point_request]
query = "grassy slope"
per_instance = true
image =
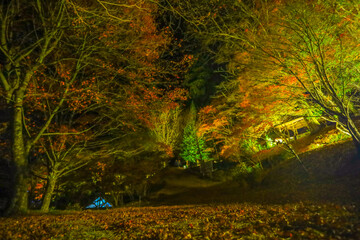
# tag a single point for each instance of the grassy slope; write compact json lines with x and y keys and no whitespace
{"x":333,"y":177}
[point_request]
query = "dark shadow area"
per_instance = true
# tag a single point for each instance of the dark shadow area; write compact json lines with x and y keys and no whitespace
{"x":333,"y":178}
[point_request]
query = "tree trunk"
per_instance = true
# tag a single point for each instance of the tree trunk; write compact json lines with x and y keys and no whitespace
{"x":19,"y":202}
{"x":357,"y":147}
{"x":355,"y":134}
{"x":210,"y":168}
{"x":118,"y":198}
{"x":202,"y":167}
{"x":51,"y":182}
{"x":121,"y":199}
{"x":202,"y":170}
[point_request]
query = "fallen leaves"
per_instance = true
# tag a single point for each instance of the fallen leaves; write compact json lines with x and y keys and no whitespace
{"x":234,"y":221}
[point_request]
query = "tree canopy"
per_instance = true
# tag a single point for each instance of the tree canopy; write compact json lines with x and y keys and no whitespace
{"x":113,"y":87}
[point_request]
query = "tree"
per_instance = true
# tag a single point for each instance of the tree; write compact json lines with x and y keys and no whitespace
{"x":215,"y":127}
{"x":314,"y":45}
{"x":166,"y":129}
{"x":253,"y":100}
{"x":56,"y":54}
{"x":193,"y":147}
{"x":311,"y":45}
{"x":190,"y":151}
{"x":64,"y":153}
{"x":194,"y":150}
{"x":42,"y":75}
{"x":30,"y":32}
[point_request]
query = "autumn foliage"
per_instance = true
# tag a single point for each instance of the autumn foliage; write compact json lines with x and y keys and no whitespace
{"x":82,"y":80}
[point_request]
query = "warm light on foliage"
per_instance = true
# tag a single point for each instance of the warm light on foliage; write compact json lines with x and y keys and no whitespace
{"x":111,"y":92}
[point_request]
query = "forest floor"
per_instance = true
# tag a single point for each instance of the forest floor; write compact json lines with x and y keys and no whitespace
{"x":285,"y":202}
{"x":214,"y":221}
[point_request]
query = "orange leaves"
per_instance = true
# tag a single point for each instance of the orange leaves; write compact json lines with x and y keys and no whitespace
{"x":99,"y":171}
{"x":290,"y":80}
{"x":83,"y":94}
{"x":63,"y":137}
{"x":211,"y":123}
{"x":210,"y":109}
{"x":144,"y":100}
{"x":245,"y":102}
{"x":39,"y":189}
{"x":47,"y":88}
{"x":214,"y":125}
{"x":147,"y":41}
{"x":101,"y":166}
{"x":63,"y":71}
{"x":177,"y":94}
{"x":220,"y":122}
{"x":167,"y":149}
{"x":188,"y":60}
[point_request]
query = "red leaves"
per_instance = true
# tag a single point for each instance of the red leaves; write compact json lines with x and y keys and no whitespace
{"x":39,"y":189}
{"x":210,"y":109}
{"x":144,"y":100}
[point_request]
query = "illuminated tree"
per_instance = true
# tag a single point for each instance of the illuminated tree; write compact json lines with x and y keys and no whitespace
{"x":315,"y":46}
{"x":190,"y":151}
{"x":215,"y":127}
{"x":253,"y":101}
{"x":166,"y":129}
{"x":63,"y":153}
{"x":30,"y":32}
{"x":193,"y":147}
{"x":143,"y":118}
{"x":67,"y":59}
{"x":308,"y":48}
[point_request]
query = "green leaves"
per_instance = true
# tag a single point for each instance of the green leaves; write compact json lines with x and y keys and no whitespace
{"x":193,"y":147}
{"x":190,"y":150}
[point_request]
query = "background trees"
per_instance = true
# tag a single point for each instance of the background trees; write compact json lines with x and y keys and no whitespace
{"x":72,"y":65}
{"x":110,"y":78}
{"x":312,"y":45}
{"x":291,"y":55}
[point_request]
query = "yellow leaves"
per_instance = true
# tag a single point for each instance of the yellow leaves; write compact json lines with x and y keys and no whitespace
{"x":187,"y":236}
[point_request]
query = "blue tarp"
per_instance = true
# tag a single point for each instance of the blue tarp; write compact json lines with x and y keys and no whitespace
{"x":99,"y":203}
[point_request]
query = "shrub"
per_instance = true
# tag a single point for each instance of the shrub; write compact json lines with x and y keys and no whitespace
{"x":74,"y":207}
{"x":331,"y":137}
{"x":250,"y":174}
{"x":221,"y":176}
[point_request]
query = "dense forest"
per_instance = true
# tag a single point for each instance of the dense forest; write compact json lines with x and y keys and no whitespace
{"x":98,"y":97}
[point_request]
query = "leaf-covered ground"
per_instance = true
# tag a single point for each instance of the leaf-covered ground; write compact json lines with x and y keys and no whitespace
{"x":233,"y":221}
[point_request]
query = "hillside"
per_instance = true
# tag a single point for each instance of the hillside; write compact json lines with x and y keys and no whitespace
{"x":332,"y":177}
